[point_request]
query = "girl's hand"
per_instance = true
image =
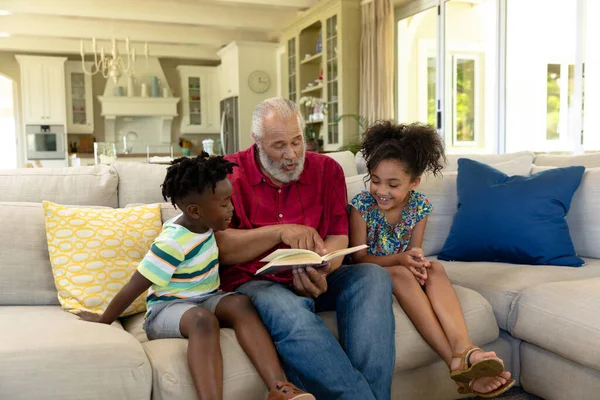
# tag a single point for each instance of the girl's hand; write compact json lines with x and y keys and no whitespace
{"x":420,"y":274}
{"x":88,"y":316}
{"x":417,"y":255}
{"x":413,"y":258}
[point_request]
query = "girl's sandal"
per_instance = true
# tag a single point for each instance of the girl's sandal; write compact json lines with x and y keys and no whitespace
{"x":467,"y":372}
{"x":467,"y":388}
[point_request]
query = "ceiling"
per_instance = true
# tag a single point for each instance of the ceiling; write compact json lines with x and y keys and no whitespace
{"x":193,"y":29}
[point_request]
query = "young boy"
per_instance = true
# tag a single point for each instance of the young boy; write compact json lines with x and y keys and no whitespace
{"x":182,"y":271}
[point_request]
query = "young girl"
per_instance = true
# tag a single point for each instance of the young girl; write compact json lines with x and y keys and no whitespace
{"x":182,"y":271}
{"x":390,"y":218}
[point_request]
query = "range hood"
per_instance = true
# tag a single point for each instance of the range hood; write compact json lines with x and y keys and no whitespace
{"x":157,"y":113}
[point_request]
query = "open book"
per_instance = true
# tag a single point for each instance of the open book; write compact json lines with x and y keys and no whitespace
{"x":287,"y":259}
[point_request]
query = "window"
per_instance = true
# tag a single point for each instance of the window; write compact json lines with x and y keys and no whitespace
{"x":463,"y":104}
{"x":540,"y":74}
{"x":492,"y":83}
{"x":416,"y":81}
{"x":559,"y":95}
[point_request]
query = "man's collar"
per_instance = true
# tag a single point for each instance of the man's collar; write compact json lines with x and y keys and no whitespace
{"x":256,"y":176}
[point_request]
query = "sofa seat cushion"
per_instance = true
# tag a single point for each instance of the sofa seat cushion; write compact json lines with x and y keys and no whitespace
{"x":500,"y":283}
{"x":563,"y":318}
{"x":171,"y":376}
{"x":50,"y":354}
{"x":411,"y":349}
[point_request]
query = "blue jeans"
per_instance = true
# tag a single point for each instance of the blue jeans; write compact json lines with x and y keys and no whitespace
{"x":361,"y":364}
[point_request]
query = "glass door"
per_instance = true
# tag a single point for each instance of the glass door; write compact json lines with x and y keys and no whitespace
{"x":292,"y":69}
{"x":417,"y":58}
{"x":470,"y":76}
{"x":195,"y":100}
{"x":78,"y":104}
{"x":333,"y":132}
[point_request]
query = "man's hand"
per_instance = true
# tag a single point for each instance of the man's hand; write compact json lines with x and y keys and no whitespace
{"x":302,"y":237}
{"x":311,"y":282}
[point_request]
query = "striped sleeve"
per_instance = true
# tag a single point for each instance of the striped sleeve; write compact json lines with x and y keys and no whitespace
{"x":161,"y":261}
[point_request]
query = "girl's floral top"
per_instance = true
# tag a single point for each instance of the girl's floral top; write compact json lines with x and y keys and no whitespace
{"x":384,"y":239}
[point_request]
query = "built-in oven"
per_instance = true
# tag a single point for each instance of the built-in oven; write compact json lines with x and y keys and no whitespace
{"x":45,"y":142}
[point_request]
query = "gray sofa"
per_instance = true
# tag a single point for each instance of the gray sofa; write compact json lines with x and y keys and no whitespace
{"x":544,"y":321}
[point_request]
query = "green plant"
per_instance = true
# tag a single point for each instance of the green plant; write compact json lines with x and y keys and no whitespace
{"x":363,"y":124}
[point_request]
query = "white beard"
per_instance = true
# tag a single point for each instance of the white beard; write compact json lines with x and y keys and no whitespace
{"x":277,"y":171}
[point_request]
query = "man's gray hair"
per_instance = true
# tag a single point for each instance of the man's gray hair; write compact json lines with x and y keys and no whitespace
{"x":282,"y":108}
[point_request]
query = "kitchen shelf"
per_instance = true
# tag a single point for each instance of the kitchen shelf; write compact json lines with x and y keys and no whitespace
{"x":314,"y":58}
{"x":312,"y":89}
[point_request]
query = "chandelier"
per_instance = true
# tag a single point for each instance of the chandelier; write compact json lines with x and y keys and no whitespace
{"x":114,"y":65}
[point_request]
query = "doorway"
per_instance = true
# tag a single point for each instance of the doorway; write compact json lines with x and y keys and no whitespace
{"x":8,"y":131}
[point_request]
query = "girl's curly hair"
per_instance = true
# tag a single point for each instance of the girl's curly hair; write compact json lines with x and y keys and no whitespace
{"x":418,"y":146}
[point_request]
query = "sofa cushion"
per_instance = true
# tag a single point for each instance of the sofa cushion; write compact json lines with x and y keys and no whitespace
{"x":500,"y":283}
{"x":50,"y":354}
{"x":346,"y":160}
{"x":171,"y":376}
{"x":89,"y":186}
{"x":515,"y":219}
{"x":355,"y":185}
{"x":587,"y":160}
{"x":563,"y":318}
{"x":140,"y":182}
{"x":94,"y":252}
{"x":411,"y":349}
{"x":584,"y":215}
{"x":25,"y":271}
{"x":441,"y":192}
{"x":452,"y":159}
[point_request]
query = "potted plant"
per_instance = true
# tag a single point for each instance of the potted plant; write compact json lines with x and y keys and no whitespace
{"x":363,"y":124}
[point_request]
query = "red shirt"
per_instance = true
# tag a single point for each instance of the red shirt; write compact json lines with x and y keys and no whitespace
{"x":317,"y":199}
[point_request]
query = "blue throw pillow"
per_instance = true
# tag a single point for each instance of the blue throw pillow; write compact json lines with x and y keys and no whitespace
{"x":516,"y":219}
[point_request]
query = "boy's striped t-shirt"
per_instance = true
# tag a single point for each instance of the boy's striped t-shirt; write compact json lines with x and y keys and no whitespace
{"x":180,"y":264}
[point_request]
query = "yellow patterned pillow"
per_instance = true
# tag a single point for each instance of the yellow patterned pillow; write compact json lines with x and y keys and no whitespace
{"x":95,"y":251}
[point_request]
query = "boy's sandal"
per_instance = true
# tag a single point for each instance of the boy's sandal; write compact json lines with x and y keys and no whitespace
{"x":467,"y":388}
{"x":467,"y":372}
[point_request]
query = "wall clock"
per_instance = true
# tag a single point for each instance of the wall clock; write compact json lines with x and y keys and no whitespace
{"x":259,"y":81}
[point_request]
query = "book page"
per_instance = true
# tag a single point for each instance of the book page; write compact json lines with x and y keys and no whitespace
{"x":343,"y":252}
{"x":297,"y":259}
{"x":287,"y":252}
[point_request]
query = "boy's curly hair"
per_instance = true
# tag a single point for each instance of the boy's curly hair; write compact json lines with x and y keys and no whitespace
{"x":418,"y":146}
{"x":194,"y":175}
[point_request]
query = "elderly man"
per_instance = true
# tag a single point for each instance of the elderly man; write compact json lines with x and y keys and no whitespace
{"x":286,"y":197}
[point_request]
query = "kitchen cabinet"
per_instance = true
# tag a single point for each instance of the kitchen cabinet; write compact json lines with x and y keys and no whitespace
{"x":200,"y":99}
{"x":80,"y":103}
{"x":43,"y":89}
{"x":230,"y":75}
